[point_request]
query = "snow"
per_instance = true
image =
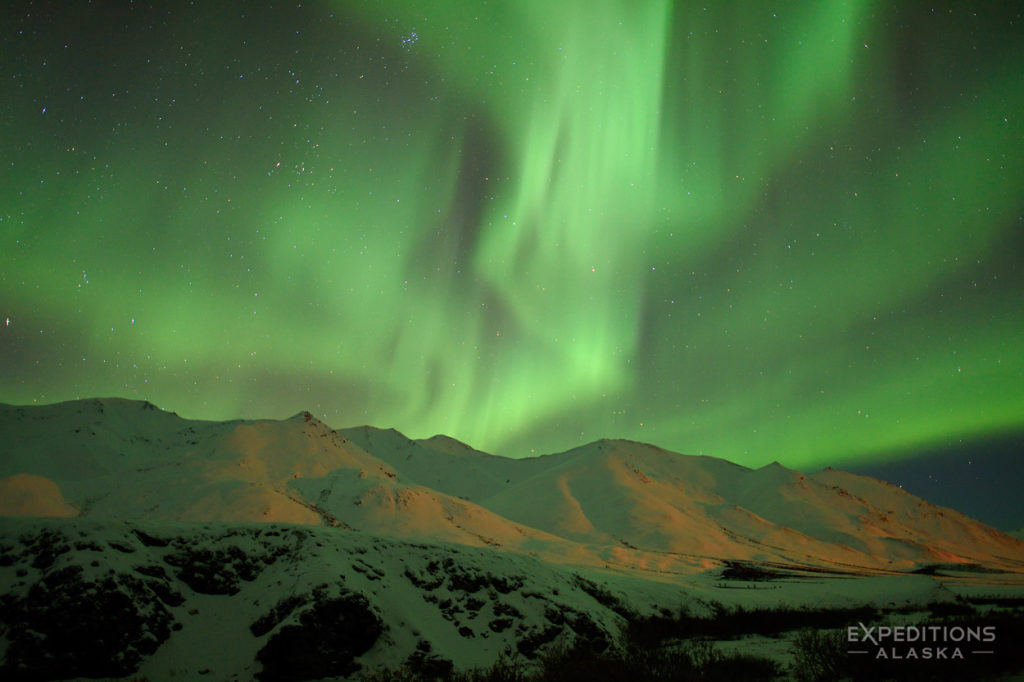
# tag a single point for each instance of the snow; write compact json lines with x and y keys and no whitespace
{"x":461,"y":555}
{"x":454,"y":598}
{"x":31,"y":495}
{"x":613,"y":502}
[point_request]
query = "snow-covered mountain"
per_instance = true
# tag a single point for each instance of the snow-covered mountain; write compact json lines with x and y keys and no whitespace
{"x":609,"y":503}
{"x":287,"y":550}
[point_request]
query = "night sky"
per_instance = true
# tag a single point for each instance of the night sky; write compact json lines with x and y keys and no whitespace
{"x":789,"y":231}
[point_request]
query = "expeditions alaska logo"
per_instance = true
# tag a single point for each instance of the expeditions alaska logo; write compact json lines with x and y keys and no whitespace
{"x":921,"y":642}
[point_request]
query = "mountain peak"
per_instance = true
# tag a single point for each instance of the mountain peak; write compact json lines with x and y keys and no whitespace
{"x":449,"y":446}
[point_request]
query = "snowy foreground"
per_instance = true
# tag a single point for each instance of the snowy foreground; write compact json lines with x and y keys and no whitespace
{"x":284,"y":550}
{"x":272,"y":601}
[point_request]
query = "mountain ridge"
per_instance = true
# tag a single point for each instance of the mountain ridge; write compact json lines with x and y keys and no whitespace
{"x":613,"y":502}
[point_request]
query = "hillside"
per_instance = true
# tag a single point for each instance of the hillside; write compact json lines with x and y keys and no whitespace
{"x":609,"y":503}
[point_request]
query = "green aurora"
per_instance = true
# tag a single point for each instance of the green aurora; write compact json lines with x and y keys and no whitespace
{"x":763,"y":232}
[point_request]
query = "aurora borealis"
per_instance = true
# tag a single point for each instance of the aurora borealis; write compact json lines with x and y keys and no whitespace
{"x":786,"y":232}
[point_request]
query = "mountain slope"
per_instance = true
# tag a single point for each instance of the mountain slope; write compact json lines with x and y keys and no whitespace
{"x":621,"y":494}
{"x":616,"y":503}
{"x":82,"y":598}
{"x":664,"y":501}
{"x":119,"y":459}
{"x":441,"y":463}
{"x":125,"y":459}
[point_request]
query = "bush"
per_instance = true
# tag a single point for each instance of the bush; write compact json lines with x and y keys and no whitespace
{"x":693,"y":662}
{"x":819,"y":656}
{"x":732,"y":624}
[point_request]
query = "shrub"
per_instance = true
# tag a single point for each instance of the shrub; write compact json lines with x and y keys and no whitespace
{"x":819,"y":656}
{"x":691,"y":662}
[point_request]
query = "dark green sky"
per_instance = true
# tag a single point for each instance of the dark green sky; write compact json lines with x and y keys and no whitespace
{"x":763,"y":232}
